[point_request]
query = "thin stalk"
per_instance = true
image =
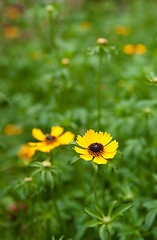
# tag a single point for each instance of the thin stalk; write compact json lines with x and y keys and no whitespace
{"x":59,"y":215}
{"x":108,"y":233}
{"x":95,"y":188}
{"x":99,"y":89}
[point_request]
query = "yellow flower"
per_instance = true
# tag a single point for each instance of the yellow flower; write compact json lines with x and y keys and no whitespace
{"x":140,"y":49}
{"x":52,"y":140}
{"x":11,"y":32}
{"x":121,"y":30}
{"x":65,"y":61}
{"x":102,"y":41}
{"x":134,"y":49}
{"x":11,"y":129}
{"x":128,"y":49}
{"x":96,"y":146}
{"x":26,"y":152}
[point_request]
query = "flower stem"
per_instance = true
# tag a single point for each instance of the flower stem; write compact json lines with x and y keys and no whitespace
{"x":59,"y":215}
{"x":109,"y":234}
{"x":95,"y":188}
{"x":99,"y":89}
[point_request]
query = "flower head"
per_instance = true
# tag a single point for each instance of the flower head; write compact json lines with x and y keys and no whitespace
{"x":11,"y":32}
{"x":26,"y":152}
{"x":49,"y":141}
{"x":102,"y":41}
{"x":65,"y":61}
{"x":11,"y":129}
{"x":46,"y":164}
{"x":122,"y":30}
{"x":96,"y":146}
{"x":134,"y":49}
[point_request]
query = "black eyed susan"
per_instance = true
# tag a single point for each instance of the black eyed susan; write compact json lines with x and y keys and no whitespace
{"x":96,"y":146}
{"x":52,"y":140}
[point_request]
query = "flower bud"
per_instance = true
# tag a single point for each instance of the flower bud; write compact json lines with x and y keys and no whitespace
{"x":102,"y":41}
{"x":28,"y":179}
{"x":65,"y":61}
{"x":154,"y":79}
{"x":106,"y":219}
{"x":49,"y":8}
{"x":46,"y":164}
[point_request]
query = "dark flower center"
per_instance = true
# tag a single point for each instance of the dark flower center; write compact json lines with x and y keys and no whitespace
{"x":96,"y":149}
{"x":49,"y":137}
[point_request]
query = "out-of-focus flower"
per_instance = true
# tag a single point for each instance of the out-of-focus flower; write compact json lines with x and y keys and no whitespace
{"x":28,"y":179}
{"x":26,"y":152}
{"x":96,"y":146}
{"x":102,"y":41}
{"x":155,"y":79}
{"x":11,"y":32}
{"x":17,"y":206}
{"x":52,"y":140}
{"x":122,"y":30}
{"x":12,"y":12}
{"x":49,"y":8}
{"x":36,"y":55}
{"x":11,"y":129}
{"x":65,"y":61}
{"x":46,"y":164}
{"x":140,"y":49}
{"x":134,"y":49}
{"x":85,"y":25}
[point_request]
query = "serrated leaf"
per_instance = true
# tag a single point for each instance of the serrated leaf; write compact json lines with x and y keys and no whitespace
{"x":111,"y":208}
{"x":150,"y":217}
{"x":92,"y":213}
{"x":121,"y":210}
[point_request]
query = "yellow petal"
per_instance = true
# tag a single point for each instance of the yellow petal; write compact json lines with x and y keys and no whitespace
{"x":91,"y":136}
{"x":106,"y":138}
{"x":86,"y":157}
{"x":82,"y":142}
{"x":111,"y":147}
{"x":109,"y":154}
{"x":100,"y":160}
{"x":56,"y":131}
{"x":80,"y":150}
{"x":66,"y":138}
{"x":38,"y":134}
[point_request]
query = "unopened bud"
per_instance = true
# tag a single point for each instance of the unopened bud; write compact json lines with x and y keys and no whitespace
{"x":28,"y":179}
{"x":49,"y":8}
{"x":155,"y":79}
{"x":65,"y":61}
{"x":102,"y":41}
{"x":46,"y":164}
{"x":106,"y":219}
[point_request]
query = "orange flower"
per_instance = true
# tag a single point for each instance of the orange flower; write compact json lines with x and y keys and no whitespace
{"x":134,"y":49}
{"x":11,"y":32}
{"x":26,"y":152}
{"x":52,"y":140}
{"x":121,"y":30}
{"x":11,"y":129}
{"x":12,"y":12}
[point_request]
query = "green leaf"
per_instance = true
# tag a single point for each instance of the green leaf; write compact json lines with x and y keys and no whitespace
{"x":102,"y":232}
{"x":99,"y":209}
{"x":111,"y":208}
{"x":121,"y":210}
{"x":92,"y":213}
{"x":75,"y":159}
{"x":150,"y":217}
{"x":93,"y":223}
{"x":35,"y":172}
{"x":36,"y":164}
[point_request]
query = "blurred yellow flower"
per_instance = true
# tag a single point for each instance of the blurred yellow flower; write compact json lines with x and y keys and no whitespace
{"x":96,"y":146}
{"x":12,"y":12}
{"x":85,"y":25}
{"x":26,"y":152}
{"x":122,"y":30}
{"x":11,"y":32}
{"x":134,"y":49}
{"x":11,"y":129}
{"x":52,"y":140}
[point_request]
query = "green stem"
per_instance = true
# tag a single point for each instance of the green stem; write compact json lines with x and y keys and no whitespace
{"x":59,"y":215}
{"x":95,"y":188}
{"x":99,"y":89}
{"x":108,"y":232}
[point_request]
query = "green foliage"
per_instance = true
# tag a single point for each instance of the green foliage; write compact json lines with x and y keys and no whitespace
{"x":40,"y":90}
